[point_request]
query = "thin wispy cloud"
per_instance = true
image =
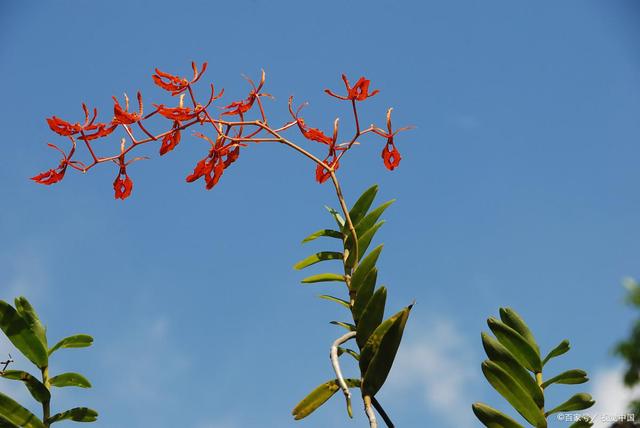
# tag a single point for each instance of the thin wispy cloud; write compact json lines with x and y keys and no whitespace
{"x":611,"y":395}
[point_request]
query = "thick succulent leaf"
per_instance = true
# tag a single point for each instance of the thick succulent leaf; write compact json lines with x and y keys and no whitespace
{"x":373,"y":343}
{"x":385,"y":348}
{"x":365,"y":267}
{"x":18,"y":415}
{"x":38,"y":391}
{"x":77,"y":414}
{"x":370,"y":219}
{"x":513,"y":320}
{"x":330,"y":233}
{"x":318,"y":257}
{"x":346,"y":325}
{"x":579,"y":401}
{"x":6,"y":424}
{"x":319,"y":396}
{"x":21,"y":335}
{"x":570,"y":377}
{"x":351,"y":352}
{"x":323,"y":277}
{"x":362,"y":205}
{"x":75,"y":341}
{"x":365,"y":240}
{"x":335,"y":299}
{"x":372,"y":316}
{"x":515,"y":394}
{"x":501,"y":356}
{"x":70,"y":379}
{"x":26,"y":311}
{"x":336,"y":215}
{"x":584,"y":422}
{"x":562,"y":348}
{"x":492,"y":418}
{"x":516,"y":344}
{"x":365,"y":291}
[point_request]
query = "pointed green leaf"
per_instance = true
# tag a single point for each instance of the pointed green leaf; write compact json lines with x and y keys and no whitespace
{"x":318,"y":257}
{"x":365,"y":267}
{"x":351,"y":352}
{"x":336,"y":215}
{"x":365,"y":240}
{"x":513,"y":320}
{"x":38,"y":391}
{"x":492,"y":418}
{"x":584,"y":422}
{"x":370,"y":219}
{"x":569,"y":377}
{"x":77,"y":414}
{"x":362,"y":205}
{"x":6,"y":424}
{"x":18,"y":415}
{"x":516,"y":344}
{"x":365,"y":291}
{"x":335,"y":299}
{"x":348,"y":326}
{"x":21,"y":335}
{"x":70,"y":379}
{"x":501,"y":356}
{"x":386,"y":346}
{"x":26,"y":311}
{"x":323,"y":277}
{"x":579,"y":401}
{"x":323,"y":232}
{"x":373,"y":343}
{"x":372,"y":316}
{"x":319,"y":396}
{"x":75,"y":341}
{"x":513,"y":393}
{"x":562,"y":348}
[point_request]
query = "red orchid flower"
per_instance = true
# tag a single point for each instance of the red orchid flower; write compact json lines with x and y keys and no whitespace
{"x":123,"y":116}
{"x":182,"y":113}
{"x":171,"y":140}
{"x":357,"y":92}
{"x":390,"y":154}
{"x":212,"y":166}
{"x":102,"y":130}
{"x":54,"y":175}
{"x":243,"y":106}
{"x":313,"y":134}
{"x":123,"y":185}
{"x":64,"y":128}
{"x":177,"y":85}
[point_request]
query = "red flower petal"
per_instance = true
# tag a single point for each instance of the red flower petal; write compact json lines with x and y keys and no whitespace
{"x":391,"y":156}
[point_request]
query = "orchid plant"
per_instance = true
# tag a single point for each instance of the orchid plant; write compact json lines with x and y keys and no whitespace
{"x":238,"y":125}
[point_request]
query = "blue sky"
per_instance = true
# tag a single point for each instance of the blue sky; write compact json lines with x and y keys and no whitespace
{"x":517,"y":187}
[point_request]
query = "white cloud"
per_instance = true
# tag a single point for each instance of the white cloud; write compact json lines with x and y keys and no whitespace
{"x":611,"y":396}
{"x":440,"y":364}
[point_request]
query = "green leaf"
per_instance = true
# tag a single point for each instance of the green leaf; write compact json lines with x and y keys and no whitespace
{"x":77,"y":414}
{"x":579,"y":401}
{"x":26,"y":311}
{"x":516,"y":344}
{"x":323,"y":277}
{"x":364,"y":267}
{"x":318,"y":257}
{"x":335,"y":299}
{"x":513,"y":320}
{"x":351,"y":352}
{"x":336,"y":215}
{"x":373,"y":343}
{"x":75,"y":341}
{"x":21,"y":335}
{"x":584,"y":422}
{"x":319,"y":396}
{"x":501,"y":356}
{"x":492,"y":418}
{"x":348,"y":326}
{"x":384,"y":347}
{"x":38,"y":391}
{"x":362,"y":205}
{"x":18,"y":415}
{"x":370,"y":219}
{"x":570,"y":377}
{"x":364,"y":293}
{"x":70,"y":379}
{"x":372,"y":316}
{"x":6,"y":424}
{"x":513,"y":393}
{"x":562,"y":348}
{"x":323,"y":232}
{"x":365,"y":240}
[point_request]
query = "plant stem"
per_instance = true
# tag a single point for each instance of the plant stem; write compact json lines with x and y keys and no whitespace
{"x":46,"y":405}
{"x":369,"y":411}
{"x":336,"y":366}
{"x":539,"y":381}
